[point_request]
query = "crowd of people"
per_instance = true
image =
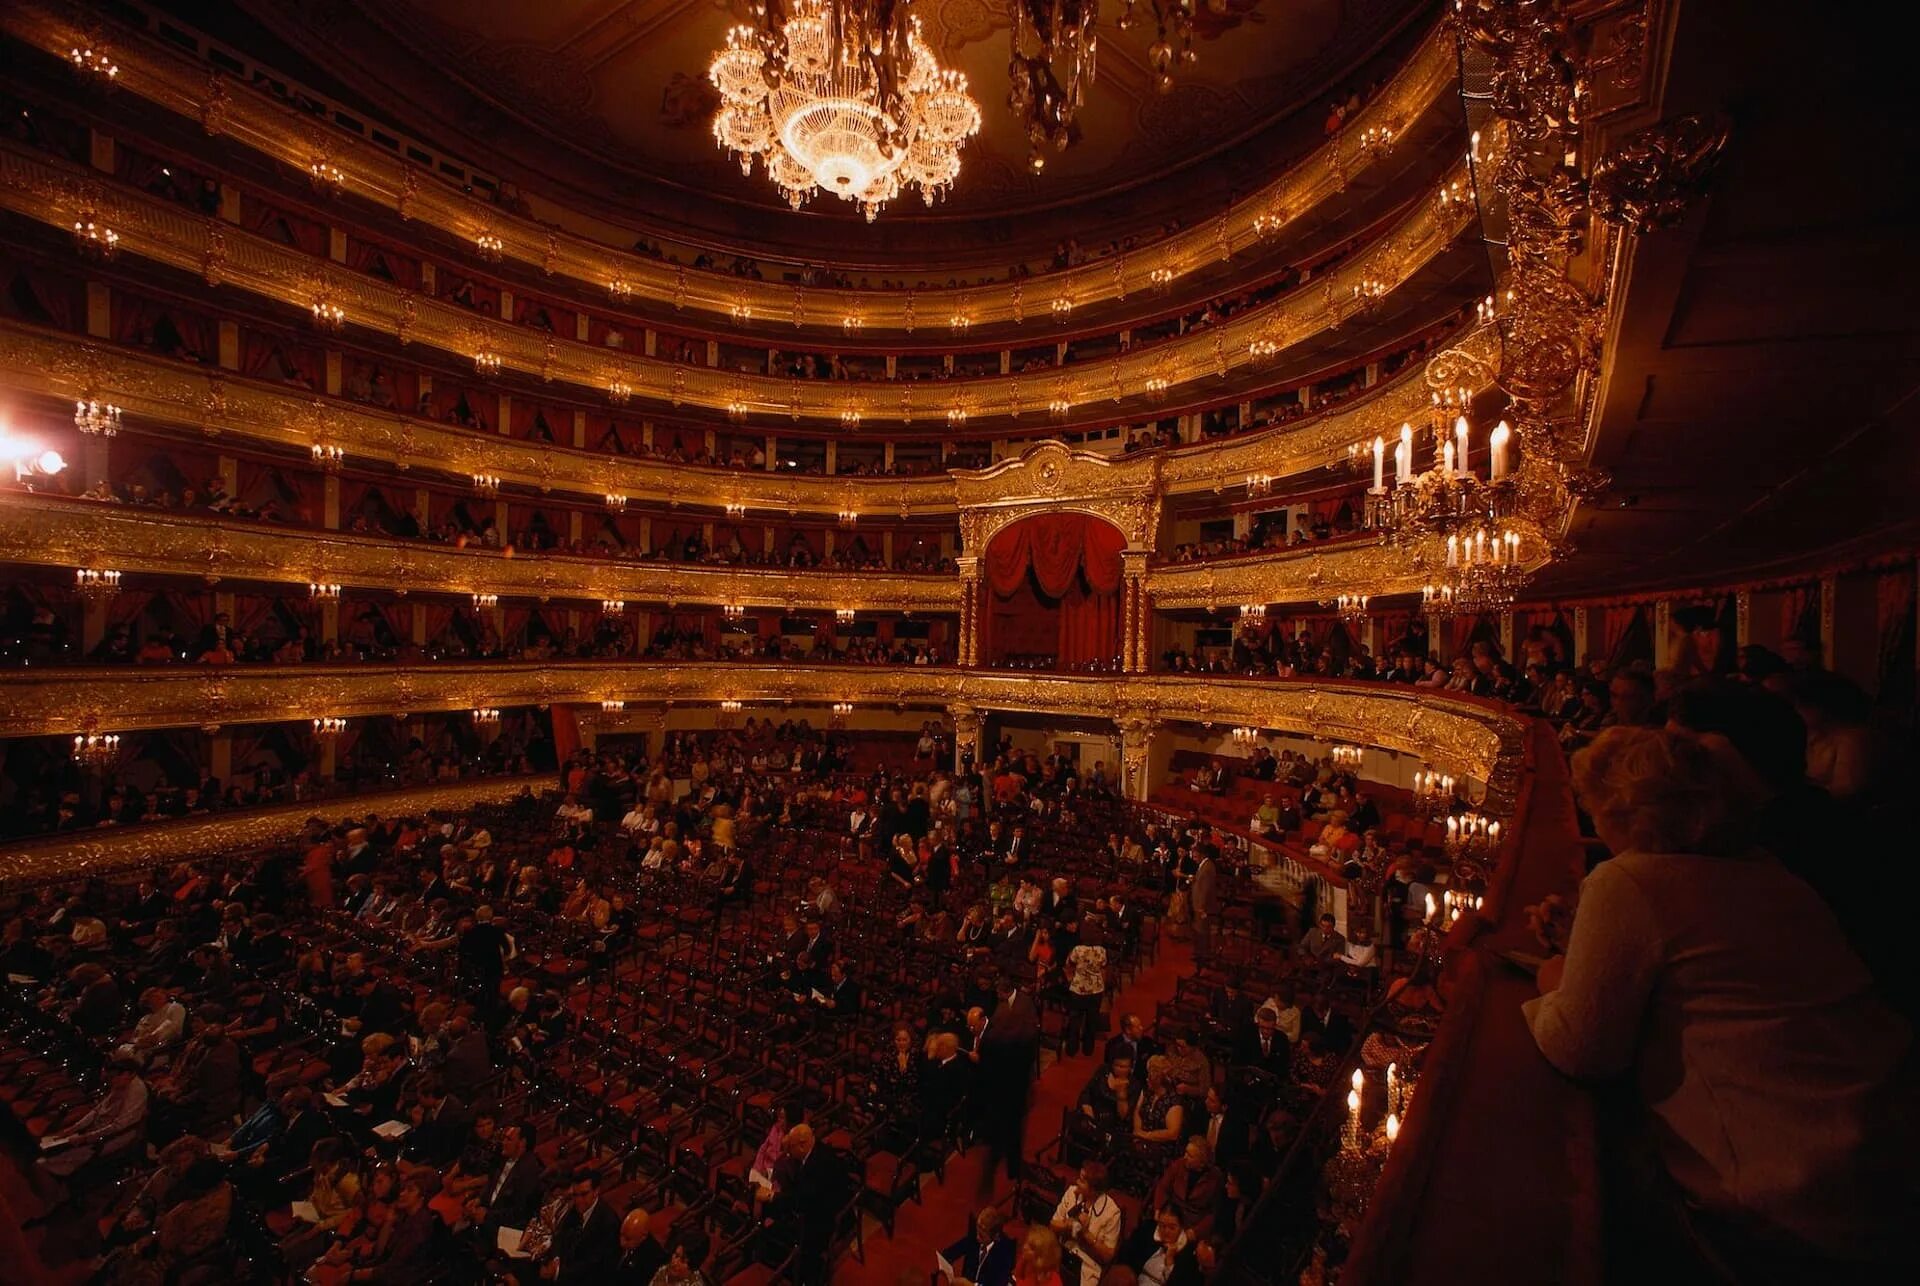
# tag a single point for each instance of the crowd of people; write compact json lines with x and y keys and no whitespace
{"x":351,"y":1059}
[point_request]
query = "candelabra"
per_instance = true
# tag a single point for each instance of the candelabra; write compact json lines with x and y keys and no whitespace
{"x":850,"y":417}
{"x":96,"y":749}
{"x":843,"y":615}
{"x":740,"y":311}
{"x":620,"y":289}
{"x":614,"y":501}
{"x":737,"y":411}
{"x":1432,"y":792}
{"x":94,"y":239}
{"x":848,"y":517}
{"x":486,"y":717}
{"x":1157,"y":387}
{"x":734,"y":509}
{"x":960,"y":323}
{"x":486,"y":485}
{"x":328,"y":728}
{"x":486,"y":362}
{"x":619,"y":392}
{"x":95,"y":584}
{"x":612,"y":606}
{"x":853,"y":322}
{"x":838,"y":716}
{"x":733,"y":611}
{"x":729,"y":712}
{"x":1263,"y":350}
{"x":957,"y":417}
{"x":1437,"y":601}
{"x":1471,"y":835}
{"x":90,"y":415}
{"x":1252,"y":614}
{"x":324,"y":175}
{"x":1259,"y":485}
{"x":328,"y":315}
{"x":1453,"y":905}
{"x":1244,"y":737}
{"x":90,"y":59}
{"x":612,"y":707}
{"x":1059,"y":407}
{"x":1161,"y":277}
{"x":1348,"y":757}
{"x":1062,"y":309}
{"x":489,"y":245}
{"x":323,"y":592}
{"x":485,"y":602}
{"x":1378,"y":140}
{"x":1351,"y":608}
{"x":328,"y":456}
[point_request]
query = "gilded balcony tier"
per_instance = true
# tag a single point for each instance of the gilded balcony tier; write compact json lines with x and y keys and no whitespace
{"x":43,"y":531}
{"x":218,"y":403}
{"x":1461,"y":735}
{"x":57,"y":193}
{"x":110,"y":850}
{"x":232,"y":109}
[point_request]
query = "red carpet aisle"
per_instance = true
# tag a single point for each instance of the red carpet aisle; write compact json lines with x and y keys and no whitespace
{"x":949,"y":1207}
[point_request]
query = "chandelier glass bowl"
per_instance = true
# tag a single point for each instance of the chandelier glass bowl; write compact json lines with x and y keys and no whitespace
{"x":841,"y":96}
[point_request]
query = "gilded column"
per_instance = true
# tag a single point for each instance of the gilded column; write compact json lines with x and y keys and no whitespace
{"x":968,"y":650}
{"x":967,"y":724}
{"x":1136,"y":755}
{"x":1136,"y":617}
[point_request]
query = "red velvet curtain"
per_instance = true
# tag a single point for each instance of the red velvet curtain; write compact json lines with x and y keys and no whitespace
{"x":1056,"y":581}
{"x":383,"y":262}
{"x":269,"y":357}
{"x":45,"y":299}
{"x":288,"y":229}
{"x":1800,"y":613}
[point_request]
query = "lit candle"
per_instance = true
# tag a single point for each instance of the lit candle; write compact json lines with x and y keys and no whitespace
{"x":1352,"y":1143}
{"x":1403,"y":459}
{"x":1498,"y":441}
{"x":1392,"y":1070}
{"x":1493,"y":832}
{"x":1429,"y":906}
{"x":1358,"y":1081}
{"x":1446,"y":459}
{"x":1379,"y":464}
{"x":1453,"y":551}
{"x":1460,"y":441}
{"x":1393,"y":1129}
{"x":1480,"y":539}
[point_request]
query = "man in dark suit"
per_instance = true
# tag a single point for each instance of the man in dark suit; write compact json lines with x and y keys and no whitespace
{"x":512,"y":1195}
{"x":469,"y":1062}
{"x":439,"y":1122}
{"x":586,"y":1240}
{"x":1331,"y":1030}
{"x":1131,"y":1041}
{"x":809,"y":1187}
{"x":1205,"y":898}
{"x":482,"y":953}
{"x":641,"y":1254}
{"x":1229,"y":1129}
{"x":986,"y":1256}
{"x":1007,"y":1049}
{"x":416,"y":1247}
{"x":1262,"y":1045}
{"x":943,"y":1087}
{"x":842,"y":994}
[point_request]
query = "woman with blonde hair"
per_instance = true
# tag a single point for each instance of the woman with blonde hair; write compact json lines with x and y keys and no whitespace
{"x":1699,"y":964}
{"x":1039,"y":1262}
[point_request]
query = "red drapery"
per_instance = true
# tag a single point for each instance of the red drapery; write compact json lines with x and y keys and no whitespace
{"x":383,"y":262}
{"x":1800,"y":613}
{"x":287,"y":228}
{"x":1065,"y":566}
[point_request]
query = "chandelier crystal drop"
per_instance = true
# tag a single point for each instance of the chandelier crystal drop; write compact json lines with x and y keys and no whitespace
{"x":1055,"y":54}
{"x":841,"y":96}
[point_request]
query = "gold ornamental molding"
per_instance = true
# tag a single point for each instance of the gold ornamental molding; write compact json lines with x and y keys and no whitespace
{"x":116,"y":849}
{"x":1461,"y":735}
{"x":57,"y":193}
{"x":1051,"y":477}
{"x":57,"y":532}
{"x":218,"y":402}
{"x":229,"y":108}
{"x":1305,"y":574}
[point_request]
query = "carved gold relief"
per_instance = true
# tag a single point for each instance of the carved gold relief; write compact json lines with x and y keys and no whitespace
{"x":96,"y":853}
{"x":39,"y":531}
{"x":1460,"y":735}
{"x":41,"y":188}
{"x":39,"y":361}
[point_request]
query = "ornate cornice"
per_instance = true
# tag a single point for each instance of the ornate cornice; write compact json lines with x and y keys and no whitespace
{"x":1305,"y":574}
{"x":218,"y":402}
{"x":42,"y":531}
{"x":1462,"y":735}
{"x":59,"y":194}
{"x":228,"y":108}
{"x":96,"y":853}
{"x":1051,"y":476}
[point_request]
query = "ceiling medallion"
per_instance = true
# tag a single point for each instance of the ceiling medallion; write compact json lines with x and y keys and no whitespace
{"x":842,"y":96}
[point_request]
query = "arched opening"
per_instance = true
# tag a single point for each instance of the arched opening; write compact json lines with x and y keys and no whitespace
{"x":1053,"y":593}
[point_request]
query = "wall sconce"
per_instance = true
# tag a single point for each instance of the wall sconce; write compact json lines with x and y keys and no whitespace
{"x":485,"y":716}
{"x":490,"y":246}
{"x":91,"y":415}
{"x":485,"y":602}
{"x":96,"y":585}
{"x":486,"y":484}
{"x":322,"y":592}
{"x":328,"y":727}
{"x":329,"y":457}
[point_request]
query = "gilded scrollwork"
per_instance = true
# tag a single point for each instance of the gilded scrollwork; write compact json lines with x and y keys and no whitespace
{"x":1051,"y":476}
{"x":99,"y":853}
{"x":148,"y":226}
{"x":1463,"y":736}
{"x":1650,"y":178}
{"x":60,"y":533}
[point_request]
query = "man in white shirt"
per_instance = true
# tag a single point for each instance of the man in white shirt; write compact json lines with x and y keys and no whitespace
{"x":635,"y":819}
{"x":1087,"y":1221}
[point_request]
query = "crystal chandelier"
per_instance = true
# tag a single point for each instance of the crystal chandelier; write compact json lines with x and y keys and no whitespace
{"x":841,"y":96}
{"x":1055,"y":48}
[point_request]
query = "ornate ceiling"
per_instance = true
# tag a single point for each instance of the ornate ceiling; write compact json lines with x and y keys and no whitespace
{"x":604,"y":103}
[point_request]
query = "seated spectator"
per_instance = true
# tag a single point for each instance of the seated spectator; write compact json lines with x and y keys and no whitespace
{"x":1768,"y":1106}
